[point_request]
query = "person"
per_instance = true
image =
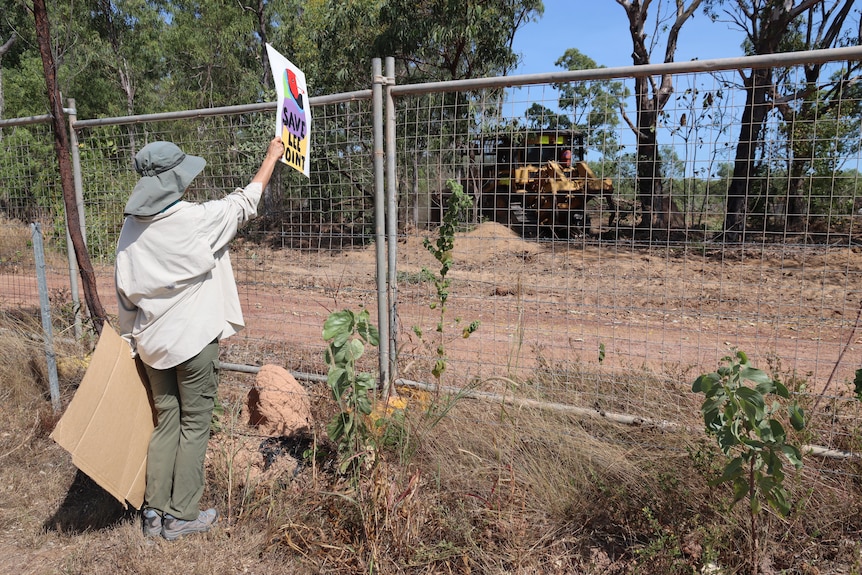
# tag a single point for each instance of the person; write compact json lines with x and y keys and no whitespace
{"x":177,"y":298}
{"x":567,"y":159}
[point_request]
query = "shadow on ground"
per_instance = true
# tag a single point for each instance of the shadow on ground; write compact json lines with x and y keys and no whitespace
{"x":87,"y":507}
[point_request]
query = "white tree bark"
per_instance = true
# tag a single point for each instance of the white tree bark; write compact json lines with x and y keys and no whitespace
{"x":3,"y":49}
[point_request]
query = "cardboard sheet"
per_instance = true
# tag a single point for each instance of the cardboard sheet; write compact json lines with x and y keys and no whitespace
{"x":107,"y":425}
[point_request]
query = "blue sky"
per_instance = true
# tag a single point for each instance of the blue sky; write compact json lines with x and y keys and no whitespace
{"x":599,"y":29}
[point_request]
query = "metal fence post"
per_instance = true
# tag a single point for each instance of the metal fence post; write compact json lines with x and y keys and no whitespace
{"x":45,"y":305}
{"x":391,"y":217}
{"x":79,"y":199}
{"x":380,"y":222}
{"x":72,"y":112}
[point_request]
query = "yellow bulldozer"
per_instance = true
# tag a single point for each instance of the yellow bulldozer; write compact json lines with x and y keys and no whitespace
{"x":536,"y":182}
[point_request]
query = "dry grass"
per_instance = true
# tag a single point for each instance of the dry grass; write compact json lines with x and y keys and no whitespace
{"x":16,"y":246}
{"x":484,"y":489}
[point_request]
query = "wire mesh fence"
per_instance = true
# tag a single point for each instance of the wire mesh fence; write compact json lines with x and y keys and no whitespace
{"x":29,"y":179}
{"x":607,"y":262}
{"x":604,"y":257}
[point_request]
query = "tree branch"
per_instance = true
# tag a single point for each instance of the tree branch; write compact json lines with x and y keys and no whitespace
{"x":796,"y":11}
{"x":8,"y":44}
{"x":836,"y":26}
{"x":673,"y":34}
{"x":629,"y":121}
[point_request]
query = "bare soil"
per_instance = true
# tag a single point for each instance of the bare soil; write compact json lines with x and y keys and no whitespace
{"x":666,"y":309}
{"x":669,"y":309}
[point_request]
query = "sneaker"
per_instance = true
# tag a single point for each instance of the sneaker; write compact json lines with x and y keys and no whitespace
{"x":152,"y":522}
{"x":173,"y":528}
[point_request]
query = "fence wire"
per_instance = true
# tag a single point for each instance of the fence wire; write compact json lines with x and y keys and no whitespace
{"x":613,"y":285}
{"x":608,"y":284}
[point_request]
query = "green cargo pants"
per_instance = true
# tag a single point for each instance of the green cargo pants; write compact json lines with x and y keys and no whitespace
{"x":184,"y":397}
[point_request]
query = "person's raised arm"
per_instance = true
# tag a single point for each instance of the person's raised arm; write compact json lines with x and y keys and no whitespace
{"x":222,"y":218}
{"x":273,"y":155}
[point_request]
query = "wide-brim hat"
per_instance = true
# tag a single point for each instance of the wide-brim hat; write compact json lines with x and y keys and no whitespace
{"x":166,"y":171}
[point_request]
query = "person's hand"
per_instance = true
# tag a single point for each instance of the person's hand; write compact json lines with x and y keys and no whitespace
{"x":276,"y":149}
{"x":274,"y":153}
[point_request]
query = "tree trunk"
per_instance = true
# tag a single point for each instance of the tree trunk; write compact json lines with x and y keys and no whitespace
{"x":64,"y":161}
{"x":660,"y":211}
{"x":753,"y":116}
{"x":128,"y":85}
{"x":648,"y":161}
{"x":796,"y":204}
{"x":767,"y":27}
{"x":266,"y":79}
{"x":803,"y":150}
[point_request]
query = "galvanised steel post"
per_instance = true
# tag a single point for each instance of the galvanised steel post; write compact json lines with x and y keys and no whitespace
{"x":79,"y":200}
{"x":45,"y":305}
{"x":391,"y":219}
{"x":380,"y":221}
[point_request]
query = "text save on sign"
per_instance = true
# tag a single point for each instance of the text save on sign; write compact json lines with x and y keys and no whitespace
{"x":293,"y":120}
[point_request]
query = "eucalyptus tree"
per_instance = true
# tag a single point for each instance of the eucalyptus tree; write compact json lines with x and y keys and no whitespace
{"x":652,"y":93}
{"x":128,"y":40}
{"x":770,"y":26}
{"x":24,"y":175}
{"x":83,"y":59}
{"x":80,"y":61}
{"x":20,"y":67}
{"x":62,"y":149}
{"x":445,"y":40}
{"x":11,"y":42}
{"x":540,"y":117}
{"x":118,"y":57}
{"x":211,"y":53}
{"x":332,"y":42}
{"x":27,"y":164}
{"x":820,"y":108}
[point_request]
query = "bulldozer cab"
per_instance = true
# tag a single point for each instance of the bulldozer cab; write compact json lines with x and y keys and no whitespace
{"x":536,"y":181}
{"x":534,"y":148}
{"x":543,"y":147}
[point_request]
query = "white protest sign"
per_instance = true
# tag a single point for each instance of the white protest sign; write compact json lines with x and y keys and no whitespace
{"x":293,"y":114}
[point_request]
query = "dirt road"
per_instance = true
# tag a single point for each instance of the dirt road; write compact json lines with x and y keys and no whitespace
{"x":669,"y":310}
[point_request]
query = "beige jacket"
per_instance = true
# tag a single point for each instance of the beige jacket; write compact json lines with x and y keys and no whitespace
{"x":175,"y":284}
